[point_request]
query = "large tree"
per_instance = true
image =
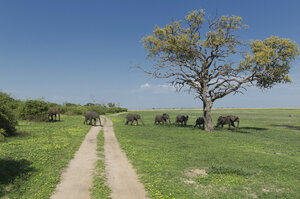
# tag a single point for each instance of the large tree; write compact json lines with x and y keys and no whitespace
{"x":199,"y":53}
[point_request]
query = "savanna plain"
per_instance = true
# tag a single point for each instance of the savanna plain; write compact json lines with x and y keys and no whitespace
{"x":261,"y":159}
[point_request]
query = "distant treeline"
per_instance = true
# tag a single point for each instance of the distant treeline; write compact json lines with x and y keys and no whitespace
{"x":12,"y":109}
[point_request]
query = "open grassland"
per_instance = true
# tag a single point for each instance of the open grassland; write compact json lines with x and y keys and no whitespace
{"x":31,"y":162}
{"x":259,"y":160}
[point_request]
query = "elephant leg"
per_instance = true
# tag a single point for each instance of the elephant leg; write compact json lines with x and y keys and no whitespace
{"x":95,"y":121}
{"x":137,"y":123}
{"x":131,"y":122}
{"x":55,"y":117}
{"x":232,"y":124}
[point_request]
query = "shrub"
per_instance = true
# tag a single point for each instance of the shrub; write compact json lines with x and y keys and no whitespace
{"x":74,"y":110}
{"x":7,"y":115}
{"x":35,"y":110}
{"x":7,"y":120}
{"x":101,"y":110}
{"x":9,"y":101}
{"x":116,"y":110}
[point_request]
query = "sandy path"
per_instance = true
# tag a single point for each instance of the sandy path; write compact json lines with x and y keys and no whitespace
{"x":121,"y":177}
{"x":78,"y":176}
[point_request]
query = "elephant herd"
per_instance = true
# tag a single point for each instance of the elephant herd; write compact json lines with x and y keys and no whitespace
{"x":182,"y":120}
{"x":163,"y":119}
{"x":89,"y":116}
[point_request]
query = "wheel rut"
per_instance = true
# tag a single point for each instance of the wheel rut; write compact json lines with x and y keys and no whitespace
{"x":120,"y":174}
{"x":77,"y":178}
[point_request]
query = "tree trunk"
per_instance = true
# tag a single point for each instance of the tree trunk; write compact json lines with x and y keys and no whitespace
{"x":208,"y":124}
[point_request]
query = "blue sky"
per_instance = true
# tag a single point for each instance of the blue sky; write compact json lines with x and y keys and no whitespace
{"x":82,"y":51}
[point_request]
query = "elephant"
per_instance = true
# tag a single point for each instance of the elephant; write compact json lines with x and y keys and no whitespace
{"x":162,"y":119}
{"x":133,"y":117}
{"x":182,"y":119}
{"x":230,"y":119}
{"x":199,"y":121}
{"x":91,"y":115}
{"x":53,"y":112}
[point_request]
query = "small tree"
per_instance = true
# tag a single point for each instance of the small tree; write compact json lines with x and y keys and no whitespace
{"x":110,"y":104}
{"x":202,"y":61}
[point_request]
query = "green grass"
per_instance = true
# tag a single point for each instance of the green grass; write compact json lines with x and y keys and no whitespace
{"x":257,"y":161}
{"x":100,"y":188}
{"x":31,"y":162}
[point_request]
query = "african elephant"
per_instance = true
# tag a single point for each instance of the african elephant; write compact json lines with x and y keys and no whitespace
{"x":91,"y":115}
{"x":230,"y":119}
{"x":199,"y":121}
{"x":133,"y":117}
{"x":162,"y":119}
{"x":182,"y":119}
{"x":53,"y":112}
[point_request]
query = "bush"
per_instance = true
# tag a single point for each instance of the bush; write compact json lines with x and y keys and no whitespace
{"x":74,"y":110}
{"x":77,"y":109}
{"x":35,"y":110}
{"x":8,"y":120}
{"x":101,"y":110}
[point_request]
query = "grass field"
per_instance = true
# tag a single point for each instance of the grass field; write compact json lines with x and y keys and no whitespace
{"x":31,"y":162}
{"x":259,"y":160}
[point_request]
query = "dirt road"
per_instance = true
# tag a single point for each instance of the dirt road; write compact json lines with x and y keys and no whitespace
{"x":78,"y":176}
{"x":122,"y":179}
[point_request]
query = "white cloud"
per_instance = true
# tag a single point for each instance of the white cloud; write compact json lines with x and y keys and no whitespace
{"x":146,"y":85}
{"x":154,"y":89}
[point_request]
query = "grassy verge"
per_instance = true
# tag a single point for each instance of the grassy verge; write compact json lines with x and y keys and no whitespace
{"x":259,"y":160}
{"x":31,"y":162}
{"x":100,"y":188}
